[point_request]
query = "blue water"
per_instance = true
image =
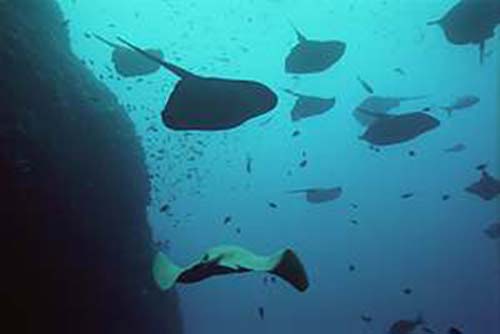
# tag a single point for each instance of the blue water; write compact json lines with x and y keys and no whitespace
{"x":437,"y":248}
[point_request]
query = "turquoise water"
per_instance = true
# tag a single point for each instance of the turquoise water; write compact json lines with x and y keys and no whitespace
{"x":437,"y":248}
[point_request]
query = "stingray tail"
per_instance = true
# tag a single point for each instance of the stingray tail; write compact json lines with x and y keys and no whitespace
{"x":289,"y":268}
{"x":180,"y":72}
{"x":411,"y":98}
{"x":431,"y":23}
{"x":291,"y":92}
{"x":165,"y":272}
{"x":297,"y":191}
{"x":481,"y":52}
{"x":300,"y":36}
{"x":105,"y":41}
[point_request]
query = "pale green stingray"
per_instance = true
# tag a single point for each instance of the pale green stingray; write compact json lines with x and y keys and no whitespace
{"x":222,"y":260}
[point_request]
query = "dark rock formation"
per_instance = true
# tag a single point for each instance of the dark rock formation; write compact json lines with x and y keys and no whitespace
{"x":75,"y":245}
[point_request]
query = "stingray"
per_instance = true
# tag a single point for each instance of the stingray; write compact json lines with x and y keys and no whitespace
{"x":486,"y":188}
{"x":312,"y":56}
{"x":320,"y":195}
{"x":225,"y":260}
{"x":395,"y":129}
{"x":493,"y":231}
{"x":378,"y":105}
{"x":471,"y":22}
{"x":308,"y":106}
{"x":129,"y":63}
{"x":211,"y":103}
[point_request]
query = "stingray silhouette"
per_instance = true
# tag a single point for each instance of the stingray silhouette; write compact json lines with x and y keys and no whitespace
{"x":486,"y":188}
{"x":378,"y":105}
{"x":210,"y":103}
{"x":308,"y":106}
{"x":311,"y":56}
{"x":471,"y":22}
{"x":230,"y":260}
{"x":394,"y":129}
{"x":129,"y":63}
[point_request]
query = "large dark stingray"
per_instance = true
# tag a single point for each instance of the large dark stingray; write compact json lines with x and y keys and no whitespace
{"x":310,"y":56}
{"x":129,"y":63}
{"x":394,"y":129}
{"x":307,"y":106}
{"x":319,"y":195}
{"x":486,"y":188}
{"x":209,"y":103}
{"x":378,"y":105}
{"x":471,"y":22}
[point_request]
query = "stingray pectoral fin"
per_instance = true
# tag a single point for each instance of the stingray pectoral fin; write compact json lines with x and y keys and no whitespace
{"x":165,"y":273}
{"x":180,"y":72}
{"x":289,"y":267}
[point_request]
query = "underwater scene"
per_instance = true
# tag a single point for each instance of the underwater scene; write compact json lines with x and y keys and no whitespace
{"x":315,"y":166}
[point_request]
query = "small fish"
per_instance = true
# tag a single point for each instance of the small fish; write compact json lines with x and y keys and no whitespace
{"x":400,"y":71}
{"x":352,"y":268}
{"x":248,"y":165}
{"x":412,"y":153}
{"x":462,"y":102}
{"x":445,"y":197}
{"x":295,"y":133}
{"x":454,"y":330}
{"x":261,"y":312}
{"x":273,"y":279}
{"x":164,"y":208}
{"x":366,"y":318}
{"x":354,"y":205}
{"x":407,"y":291}
{"x":227,"y":220}
{"x":272,"y":205}
{"x":407,"y":195}
{"x":354,"y":222}
{"x":455,"y":148}
{"x":365,"y":85}
{"x":303,"y":164}
{"x":238,"y":230}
